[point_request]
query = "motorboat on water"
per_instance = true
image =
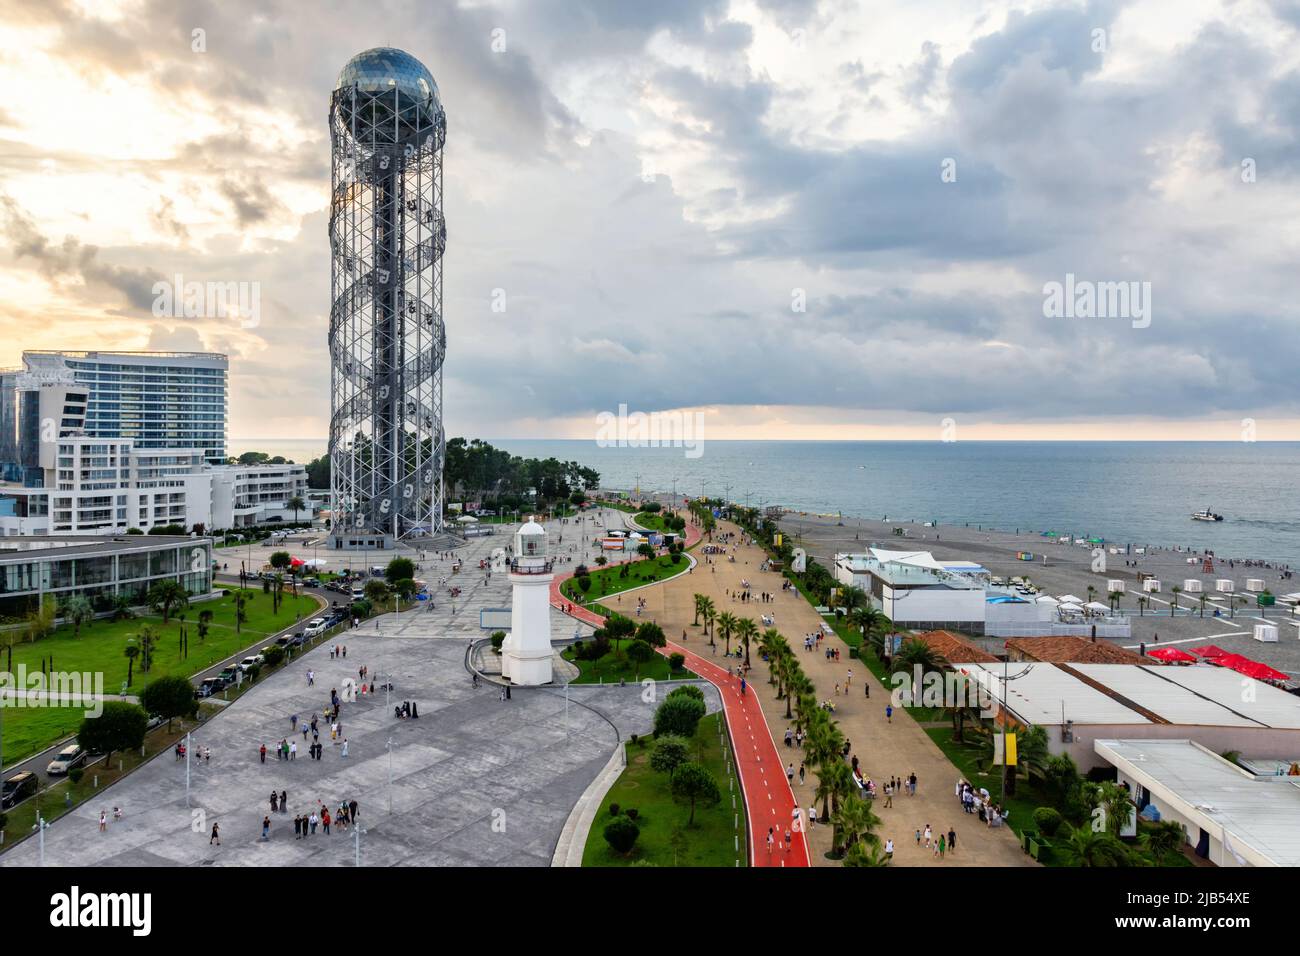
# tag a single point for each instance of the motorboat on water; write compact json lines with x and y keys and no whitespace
{"x":1205,"y":514}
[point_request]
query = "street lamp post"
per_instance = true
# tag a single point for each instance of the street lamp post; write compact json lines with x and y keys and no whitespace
{"x":356,"y":840}
{"x":390,"y":745}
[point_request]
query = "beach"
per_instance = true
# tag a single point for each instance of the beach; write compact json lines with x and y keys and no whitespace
{"x":1068,"y":570}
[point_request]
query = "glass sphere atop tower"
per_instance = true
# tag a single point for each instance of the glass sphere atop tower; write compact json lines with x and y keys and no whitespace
{"x":411,"y":111}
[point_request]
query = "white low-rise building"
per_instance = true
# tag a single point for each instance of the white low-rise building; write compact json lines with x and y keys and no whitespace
{"x":106,"y":486}
{"x":1231,"y":817}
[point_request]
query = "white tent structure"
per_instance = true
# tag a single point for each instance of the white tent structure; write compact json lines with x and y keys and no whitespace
{"x":1071,"y":599}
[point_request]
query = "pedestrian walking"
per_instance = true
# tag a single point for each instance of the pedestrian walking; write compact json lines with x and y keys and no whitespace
{"x":103,"y":820}
{"x":889,"y":849}
{"x":266,"y":829}
{"x":216,"y":836}
{"x":952,"y":840}
{"x":889,"y":713}
{"x":789,"y":840}
{"x":771,"y":838}
{"x":344,"y":752}
{"x":801,"y":774}
{"x":789,"y":774}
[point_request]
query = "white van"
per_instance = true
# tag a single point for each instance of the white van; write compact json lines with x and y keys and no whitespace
{"x":377,"y":571}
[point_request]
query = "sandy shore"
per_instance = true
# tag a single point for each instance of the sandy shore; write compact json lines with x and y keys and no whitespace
{"x":1067,"y":569}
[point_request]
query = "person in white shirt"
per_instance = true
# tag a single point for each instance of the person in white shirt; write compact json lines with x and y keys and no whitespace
{"x":889,"y":849}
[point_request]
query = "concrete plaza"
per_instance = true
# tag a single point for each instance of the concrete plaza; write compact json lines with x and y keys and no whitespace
{"x":474,"y":781}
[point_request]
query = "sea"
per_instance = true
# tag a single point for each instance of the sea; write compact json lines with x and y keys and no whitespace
{"x":1140,"y":493}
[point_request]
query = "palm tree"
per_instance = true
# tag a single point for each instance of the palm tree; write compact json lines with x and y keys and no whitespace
{"x":914,"y":652}
{"x":77,"y":611}
{"x":167,"y":597}
{"x":854,"y":822}
{"x":1204,"y":598}
{"x":1086,"y":847}
{"x":131,"y":652}
{"x":863,"y":853}
{"x":727,"y":621}
{"x":205,"y":620}
{"x":1115,"y":597}
{"x":699,"y":605}
{"x":709,"y":613}
{"x":1162,"y":840}
{"x":297,"y":504}
{"x":1092,"y":593}
{"x":147,"y":639}
{"x":834,"y":783}
{"x":1173,"y":605}
{"x":121,"y":607}
{"x":1117,"y":803}
{"x":770,"y":645}
{"x":852,"y":597}
{"x":746,"y":631}
{"x":1142,"y":605}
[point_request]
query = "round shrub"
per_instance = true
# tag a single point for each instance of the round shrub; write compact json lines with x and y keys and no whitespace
{"x":613,"y":809}
{"x":676,"y":661}
{"x":1048,"y":820}
{"x":621,"y":834}
{"x":688,"y":690}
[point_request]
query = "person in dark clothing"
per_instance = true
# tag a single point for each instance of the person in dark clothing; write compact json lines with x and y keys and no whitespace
{"x":284,"y":801}
{"x":275,"y":801}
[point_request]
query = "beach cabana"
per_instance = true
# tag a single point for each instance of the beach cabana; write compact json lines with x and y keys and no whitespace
{"x":1210,"y":652}
{"x":1172,"y":655}
{"x":1046,"y":599}
{"x":1070,"y":606}
{"x":1071,"y":599}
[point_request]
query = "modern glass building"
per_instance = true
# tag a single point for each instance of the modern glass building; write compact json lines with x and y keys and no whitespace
{"x":157,"y":399}
{"x":36,"y":571}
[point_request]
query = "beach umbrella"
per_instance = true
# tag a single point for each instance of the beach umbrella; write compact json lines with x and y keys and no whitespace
{"x":1070,"y":606}
{"x":1210,"y":652}
{"x":1172,"y":655}
{"x":296,"y":562}
{"x":1097,"y":606}
{"x":1046,"y":599}
{"x":1071,"y":599}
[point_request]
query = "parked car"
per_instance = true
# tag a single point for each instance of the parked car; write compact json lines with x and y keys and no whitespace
{"x":297,"y":639}
{"x":284,"y":640}
{"x":70,"y":756}
{"x":155,"y":721}
{"x":18,"y":787}
{"x":358,"y":594}
{"x":229,"y":674}
{"x":209,"y":686}
{"x":255,"y":660}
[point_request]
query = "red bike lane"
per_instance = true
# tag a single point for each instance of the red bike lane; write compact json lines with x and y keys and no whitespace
{"x":769,"y":799}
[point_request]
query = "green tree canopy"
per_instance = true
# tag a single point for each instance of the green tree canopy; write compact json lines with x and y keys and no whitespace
{"x":121,"y":726}
{"x":693,"y":783}
{"x":169,"y":697}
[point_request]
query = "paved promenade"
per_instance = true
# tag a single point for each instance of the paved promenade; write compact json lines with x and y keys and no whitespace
{"x":899,"y":748}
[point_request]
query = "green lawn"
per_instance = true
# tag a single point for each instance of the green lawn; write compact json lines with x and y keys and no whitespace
{"x":654,"y":521}
{"x":29,"y":730}
{"x":666,"y":839}
{"x":610,"y":581}
{"x":615,"y":665}
{"x":99,"y":650}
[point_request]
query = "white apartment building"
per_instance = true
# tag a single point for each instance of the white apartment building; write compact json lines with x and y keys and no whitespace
{"x":105,"y":486}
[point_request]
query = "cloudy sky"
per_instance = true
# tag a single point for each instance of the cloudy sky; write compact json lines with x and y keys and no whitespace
{"x":657,"y":187}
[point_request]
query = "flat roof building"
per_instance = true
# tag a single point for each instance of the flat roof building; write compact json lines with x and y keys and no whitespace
{"x":35,"y":571}
{"x":1231,"y":816}
{"x":1080,"y":703}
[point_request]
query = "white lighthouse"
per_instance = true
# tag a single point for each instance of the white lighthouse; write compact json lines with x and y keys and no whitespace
{"x":526,"y":652}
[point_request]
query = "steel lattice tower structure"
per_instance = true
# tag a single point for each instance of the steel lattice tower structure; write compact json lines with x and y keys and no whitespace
{"x":387,"y":340}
